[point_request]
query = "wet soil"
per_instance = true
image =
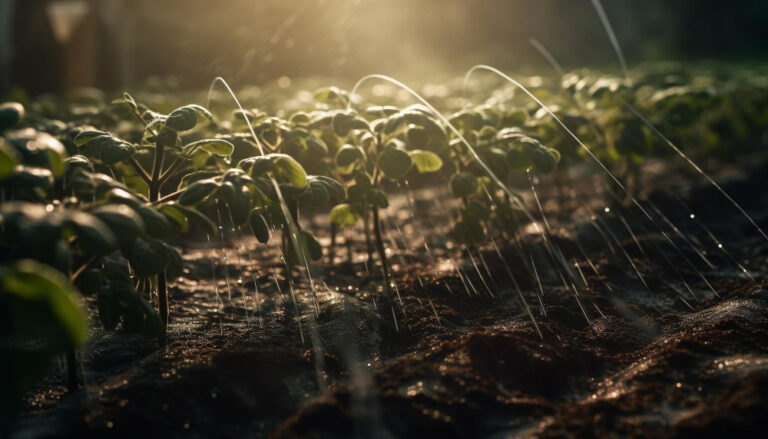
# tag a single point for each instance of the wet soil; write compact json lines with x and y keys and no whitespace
{"x":671,"y":344}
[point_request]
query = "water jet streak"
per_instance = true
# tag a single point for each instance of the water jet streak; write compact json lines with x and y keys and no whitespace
{"x":597,"y":160}
{"x":612,"y":36}
{"x":557,"y":254}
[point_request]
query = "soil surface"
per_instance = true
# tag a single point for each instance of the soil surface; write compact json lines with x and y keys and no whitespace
{"x":637,"y":338}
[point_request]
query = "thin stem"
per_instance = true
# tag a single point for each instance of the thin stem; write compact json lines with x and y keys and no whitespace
{"x":380,"y":245}
{"x":140,"y":170}
{"x":154,"y":195}
{"x":80,"y":270}
{"x":154,"y":185}
{"x":175,"y":164}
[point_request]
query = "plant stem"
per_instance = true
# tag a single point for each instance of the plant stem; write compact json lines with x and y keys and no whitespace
{"x":154,"y":184}
{"x":142,"y":173}
{"x":368,"y":245}
{"x":82,"y":268}
{"x":332,"y":248}
{"x":380,"y":245}
{"x":154,"y":195}
{"x":73,"y":381}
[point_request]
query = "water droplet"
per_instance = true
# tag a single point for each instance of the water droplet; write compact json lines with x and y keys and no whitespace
{"x":693,"y":216}
{"x":719,"y":245}
{"x":607,"y":209}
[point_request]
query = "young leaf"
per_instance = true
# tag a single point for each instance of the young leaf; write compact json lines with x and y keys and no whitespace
{"x":10,"y":115}
{"x":343,"y":123}
{"x":7,"y":161}
{"x":148,"y":257}
{"x":124,"y":222}
{"x":218,"y":147}
{"x":156,"y":223}
{"x":344,"y":215}
{"x":349,"y":154}
{"x":426,"y":161}
{"x":88,"y":135}
{"x":40,"y":302}
{"x":198,"y":192}
{"x":395,"y":163}
{"x":197,"y":219}
{"x":259,"y":226}
{"x":185,"y":118}
{"x":463,"y":184}
{"x":108,"y":149}
{"x":286,"y":168}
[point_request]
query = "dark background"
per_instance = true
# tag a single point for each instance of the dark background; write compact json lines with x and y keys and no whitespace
{"x":250,"y":41}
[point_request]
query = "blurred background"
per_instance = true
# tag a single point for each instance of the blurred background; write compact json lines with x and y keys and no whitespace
{"x":57,"y":45}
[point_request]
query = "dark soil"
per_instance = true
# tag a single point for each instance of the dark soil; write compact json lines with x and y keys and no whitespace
{"x":617,"y":360}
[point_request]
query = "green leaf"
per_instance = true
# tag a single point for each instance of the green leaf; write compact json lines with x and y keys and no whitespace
{"x":40,"y":302}
{"x":256,"y":167}
{"x":198,"y":192}
{"x":7,"y":161}
{"x":128,"y":101}
{"x":469,"y":230}
{"x":176,"y":214}
{"x":520,"y":158}
{"x":259,"y":225}
{"x":345,"y":215}
{"x":38,"y":149}
{"x":395,"y":163}
{"x":218,"y":147}
{"x":475,"y":211}
{"x":108,"y":149}
{"x":156,"y":223}
{"x":88,"y":135}
{"x":335,"y":189}
{"x":124,"y":222}
{"x":27,"y":177}
{"x":79,"y":162}
{"x":196,"y":176}
{"x":10,"y":115}
{"x":349,"y":154}
{"x":463,"y":184}
{"x":543,"y":160}
{"x":343,"y":123}
{"x":332,"y":95}
{"x":121,"y":196}
{"x":311,"y":249}
{"x":426,"y":161}
{"x":92,"y":234}
{"x":148,"y":257}
{"x":287,"y":169}
{"x":197,"y":219}
{"x":380,"y":200}
{"x":185,"y":118}
{"x":175,"y":266}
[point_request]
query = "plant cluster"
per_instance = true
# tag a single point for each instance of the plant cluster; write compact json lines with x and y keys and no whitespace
{"x":93,"y":204}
